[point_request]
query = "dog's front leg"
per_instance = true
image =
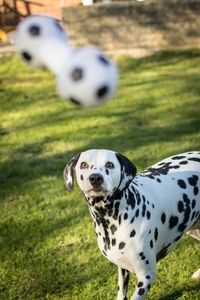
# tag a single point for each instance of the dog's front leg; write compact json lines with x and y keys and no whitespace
{"x":123,"y":280}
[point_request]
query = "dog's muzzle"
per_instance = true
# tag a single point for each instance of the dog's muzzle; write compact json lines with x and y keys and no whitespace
{"x":96,"y":180}
{"x":96,"y":185}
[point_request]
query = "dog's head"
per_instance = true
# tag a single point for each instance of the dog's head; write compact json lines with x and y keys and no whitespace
{"x":99,"y":172}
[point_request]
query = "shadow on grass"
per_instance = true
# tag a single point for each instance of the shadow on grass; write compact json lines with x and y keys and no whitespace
{"x":162,"y":58}
{"x":191,"y":287}
{"x":32,"y":233}
{"x":28,"y":163}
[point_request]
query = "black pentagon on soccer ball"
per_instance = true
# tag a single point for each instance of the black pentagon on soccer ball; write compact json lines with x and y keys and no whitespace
{"x":26,"y":56}
{"x":77,"y":74}
{"x":103,"y":59}
{"x":34,"y":30}
{"x":75,"y":101}
{"x":102,"y":91}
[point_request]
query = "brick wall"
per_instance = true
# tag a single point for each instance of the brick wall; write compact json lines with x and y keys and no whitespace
{"x":136,"y":25}
{"x":47,"y":7}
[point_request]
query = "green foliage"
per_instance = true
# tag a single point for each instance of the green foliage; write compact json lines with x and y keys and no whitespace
{"x":47,"y":244}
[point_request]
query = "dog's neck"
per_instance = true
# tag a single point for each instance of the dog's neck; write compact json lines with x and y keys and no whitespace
{"x":100,"y":207}
{"x":111,"y":210}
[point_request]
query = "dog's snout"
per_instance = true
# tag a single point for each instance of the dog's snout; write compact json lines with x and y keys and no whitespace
{"x":96,"y":179}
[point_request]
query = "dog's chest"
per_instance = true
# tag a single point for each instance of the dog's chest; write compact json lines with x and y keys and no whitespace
{"x":114,"y":240}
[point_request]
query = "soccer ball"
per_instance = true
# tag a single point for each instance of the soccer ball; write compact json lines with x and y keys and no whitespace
{"x":88,"y":78}
{"x":42,"y":43}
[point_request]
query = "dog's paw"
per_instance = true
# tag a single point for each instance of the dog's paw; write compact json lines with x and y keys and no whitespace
{"x":196,"y":275}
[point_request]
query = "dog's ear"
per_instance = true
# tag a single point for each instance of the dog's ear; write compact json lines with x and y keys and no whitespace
{"x":128,"y":170}
{"x":69,"y":173}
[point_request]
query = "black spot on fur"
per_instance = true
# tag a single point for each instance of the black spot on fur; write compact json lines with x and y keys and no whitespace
{"x":143,"y":210}
{"x":81,"y":177}
{"x":194,"y":159}
{"x":113,"y":242}
{"x":164,"y":169}
{"x":122,"y":245}
{"x":131,"y":199}
{"x":149,"y":286}
{"x":187,"y":212}
{"x":180,"y":206}
{"x":137,"y":213}
{"x":126,"y":280}
{"x":187,"y":209}
{"x":182,"y":227}
{"x":163,"y":218}
{"x":196,"y":190}
{"x":141,"y":292}
{"x":113,"y":228}
{"x":177,"y":157}
{"x":107,"y":172}
{"x":173,"y":221}
{"x":193,"y":215}
{"x":182,"y":184}
{"x":140,"y":284}
{"x":123,"y":272}
{"x":133,"y":233}
{"x":151,"y":243}
{"x":141,"y":254}
{"x":184,"y":162}
{"x":116,"y":210}
{"x":125,"y":216}
{"x":193,"y":203}
{"x":174,"y":167}
{"x":193,"y":180}
{"x":162,"y":253}
{"x":177,"y":238}
{"x":156,"y":234}
{"x":148,"y":215}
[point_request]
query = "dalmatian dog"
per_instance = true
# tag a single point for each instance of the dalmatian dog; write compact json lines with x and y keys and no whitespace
{"x":138,"y":218}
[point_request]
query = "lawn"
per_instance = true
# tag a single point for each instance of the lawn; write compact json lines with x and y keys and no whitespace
{"x":48,"y":248}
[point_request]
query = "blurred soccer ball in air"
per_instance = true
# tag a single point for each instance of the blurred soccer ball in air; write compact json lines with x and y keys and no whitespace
{"x":88,"y":79}
{"x":41,"y":42}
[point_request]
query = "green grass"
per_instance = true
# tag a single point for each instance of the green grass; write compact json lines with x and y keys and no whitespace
{"x":47,"y":244}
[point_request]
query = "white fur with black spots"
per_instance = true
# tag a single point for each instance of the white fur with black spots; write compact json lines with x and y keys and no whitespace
{"x":138,"y":218}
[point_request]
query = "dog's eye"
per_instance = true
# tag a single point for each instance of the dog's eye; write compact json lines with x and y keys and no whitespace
{"x":84,"y":165}
{"x":109,"y":165}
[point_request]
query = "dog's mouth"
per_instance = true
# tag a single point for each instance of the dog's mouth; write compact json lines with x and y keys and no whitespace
{"x":96,"y":192}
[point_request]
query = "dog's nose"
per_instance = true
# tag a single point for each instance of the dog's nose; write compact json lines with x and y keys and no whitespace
{"x":96,"y":179}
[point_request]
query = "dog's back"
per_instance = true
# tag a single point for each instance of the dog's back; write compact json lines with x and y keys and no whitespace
{"x":171,"y":189}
